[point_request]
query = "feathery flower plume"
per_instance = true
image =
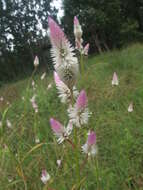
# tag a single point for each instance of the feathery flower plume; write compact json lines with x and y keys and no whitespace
{"x":34,"y":104}
{"x":115,"y":80}
{"x":78,"y":34}
{"x":86,"y":49}
{"x":60,"y":131}
{"x":90,"y":147}
{"x":130,"y":108}
{"x":36,"y":61}
{"x":63,"y":90}
{"x":79,"y":113}
{"x":45,"y":176}
{"x":65,"y":62}
{"x":43,"y":75}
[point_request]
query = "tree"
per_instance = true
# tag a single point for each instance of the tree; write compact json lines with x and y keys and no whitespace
{"x":22,"y":24}
{"x":105,"y":23}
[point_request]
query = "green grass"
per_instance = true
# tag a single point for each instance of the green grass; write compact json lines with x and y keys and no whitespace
{"x":119,"y":133}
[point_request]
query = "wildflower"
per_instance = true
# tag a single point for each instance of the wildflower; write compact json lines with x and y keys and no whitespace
{"x":45,"y":176}
{"x":49,"y":86}
{"x":33,"y":83}
{"x":60,"y":131}
{"x":130,"y":108}
{"x":36,"y":61}
{"x":34,"y":104}
{"x":90,"y":147}
{"x":23,"y":98}
{"x":0,"y":123}
{"x":59,"y":163}
{"x":86,"y":49}
{"x":43,"y":75}
{"x":37,"y":140}
{"x":8,"y":103}
{"x":78,"y":34}
{"x":10,"y":179}
{"x":1,"y":99}
{"x":65,"y":62}
{"x":63,"y":90}
{"x":115,"y":80}
{"x":9,"y":125}
{"x":79,"y":113}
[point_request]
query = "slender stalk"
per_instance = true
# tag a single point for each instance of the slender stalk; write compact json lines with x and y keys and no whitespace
{"x":73,"y":146}
{"x":84,"y":163}
{"x":97,"y":173}
{"x":81,"y":64}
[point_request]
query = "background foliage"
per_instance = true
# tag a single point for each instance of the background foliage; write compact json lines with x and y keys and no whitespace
{"x":107,"y":24}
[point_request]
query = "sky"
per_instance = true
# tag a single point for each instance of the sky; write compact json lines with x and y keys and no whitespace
{"x":58,"y":5}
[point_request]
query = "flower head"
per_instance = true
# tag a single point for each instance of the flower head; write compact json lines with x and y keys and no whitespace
{"x":77,"y":28}
{"x":59,"y":163}
{"x":65,"y":62}
{"x":37,"y":140}
{"x":1,"y":98}
{"x":36,"y":61}
{"x":81,"y":101}
{"x":34,"y":104}
{"x":79,"y":113}
{"x":86,"y":49}
{"x":90,"y":146}
{"x":115,"y":80}
{"x":130,"y":108}
{"x":9,"y":125}
{"x":60,"y":131}
{"x":45,"y":176}
{"x":49,"y":86}
{"x":63,"y":90}
{"x":78,"y":34}
{"x":43,"y":75}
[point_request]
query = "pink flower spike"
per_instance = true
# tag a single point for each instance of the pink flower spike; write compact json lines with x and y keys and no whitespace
{"x":86,"y":49}
{"x":56,"y":33}
{"x":82,"y":100}
{"x":115,"y":80}
{"x":76,"y":21}
{"x":56,"y":126}
{"x":45,"y":176}
{"x":91,"y":138}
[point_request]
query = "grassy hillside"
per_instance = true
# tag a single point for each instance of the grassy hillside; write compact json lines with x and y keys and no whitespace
{"x":119,"y":162}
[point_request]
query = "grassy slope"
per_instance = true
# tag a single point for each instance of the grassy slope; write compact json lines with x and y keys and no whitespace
{"x":119,"y":133}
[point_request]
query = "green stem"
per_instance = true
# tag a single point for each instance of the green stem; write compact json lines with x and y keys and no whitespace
{"x":97,"y":173}
{"x":77,"y":156}
{"x":81,"y":64}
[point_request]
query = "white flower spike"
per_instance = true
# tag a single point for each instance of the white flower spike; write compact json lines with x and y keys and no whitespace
{"x":130,"y":108}
{"x":115,"y":81}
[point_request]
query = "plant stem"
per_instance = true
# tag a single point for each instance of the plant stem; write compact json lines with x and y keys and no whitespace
{"x":73,"y":146}
{"x":81,"y":64}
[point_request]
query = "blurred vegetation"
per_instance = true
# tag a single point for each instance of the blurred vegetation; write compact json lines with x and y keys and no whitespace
{"x":106,"y":24}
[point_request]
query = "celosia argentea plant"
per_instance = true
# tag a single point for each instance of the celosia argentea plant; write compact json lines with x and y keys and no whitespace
{"x":67,"y":69}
